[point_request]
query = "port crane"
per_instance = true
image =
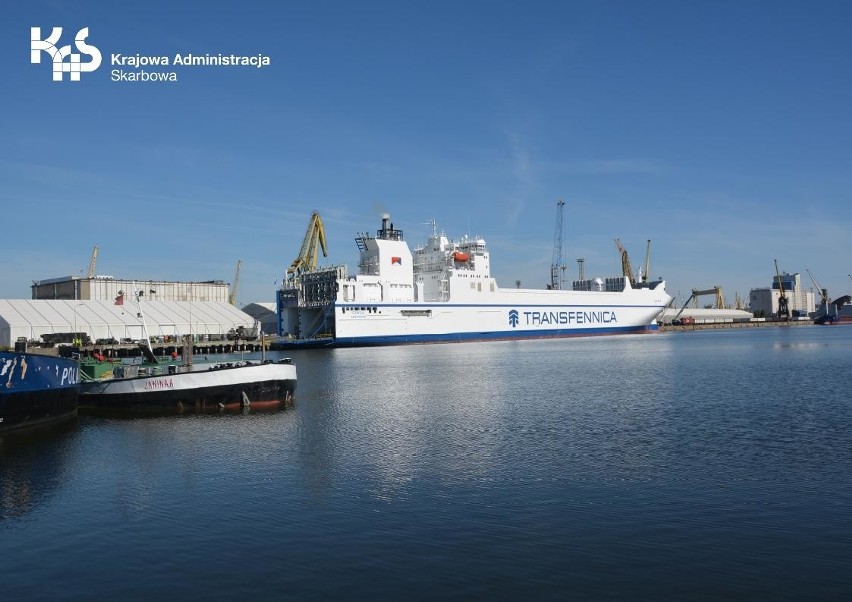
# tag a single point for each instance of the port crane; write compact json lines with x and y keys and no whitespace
{"x":827,"y":317}
{"x":783,"y":307}
{"x":557,"y":268}
{"x":308,"y":254}
{"x":716,"y":291}
{"x":625,"y":263}
{"x":823,"y":293}
{"x":232,"y":296}
{"x":93,"y":262}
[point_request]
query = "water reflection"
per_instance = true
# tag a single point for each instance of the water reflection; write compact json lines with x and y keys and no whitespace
{"x":463,"y":413}
{"x":32,"y":466}
{"x":611,"y":468}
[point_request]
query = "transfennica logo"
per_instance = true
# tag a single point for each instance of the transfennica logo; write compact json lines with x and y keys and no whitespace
{"x":513,"y":318}
{"x":64,"y":61}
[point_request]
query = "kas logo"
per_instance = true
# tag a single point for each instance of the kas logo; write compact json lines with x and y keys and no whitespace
{"x":64,"y":61}
{"x":513,"y":317}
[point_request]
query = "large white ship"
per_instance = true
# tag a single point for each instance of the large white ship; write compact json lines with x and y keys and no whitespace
{"x":444,"y":292}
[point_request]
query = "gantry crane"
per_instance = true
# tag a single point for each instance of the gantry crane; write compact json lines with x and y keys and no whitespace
{"x":93,"y":262}
{"x":625,"y":263}
{"x":308,"y":254}
{"x":783,"y":307}
{"x":232,"y":296}
{"x":557,"y":268}
{"x":716,"y":291}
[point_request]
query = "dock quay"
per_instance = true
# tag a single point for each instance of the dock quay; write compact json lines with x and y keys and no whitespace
{"x":734,"y":324}
{"x":165,"y":350}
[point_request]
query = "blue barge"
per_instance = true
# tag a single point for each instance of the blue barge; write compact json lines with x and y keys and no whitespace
{"x":37,"y":389}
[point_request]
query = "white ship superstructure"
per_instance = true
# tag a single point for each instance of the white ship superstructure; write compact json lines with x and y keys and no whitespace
{"x":444,"y":291}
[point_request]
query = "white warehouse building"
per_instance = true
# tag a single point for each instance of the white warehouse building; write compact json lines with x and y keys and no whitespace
{"x":30,"y":319}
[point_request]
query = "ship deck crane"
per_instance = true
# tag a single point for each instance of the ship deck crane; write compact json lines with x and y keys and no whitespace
{"x":626,"y":269}
{"x":647,"y":262}
{"x":232,"y":296}
{"x":557,"y":267}
{"x":308,"y":254}
{"x":783,"y":306}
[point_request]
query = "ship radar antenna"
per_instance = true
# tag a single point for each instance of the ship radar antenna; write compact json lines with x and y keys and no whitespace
{"x":433,"y":225}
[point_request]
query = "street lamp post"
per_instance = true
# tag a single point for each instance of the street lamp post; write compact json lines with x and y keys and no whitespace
{"x":75,"y":319}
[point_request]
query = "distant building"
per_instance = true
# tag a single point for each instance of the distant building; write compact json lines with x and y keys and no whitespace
{"x":107,"y":288}
{"x":765,"y":300}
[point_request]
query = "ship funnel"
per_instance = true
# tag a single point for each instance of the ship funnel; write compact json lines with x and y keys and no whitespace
{"x":387,"y":231}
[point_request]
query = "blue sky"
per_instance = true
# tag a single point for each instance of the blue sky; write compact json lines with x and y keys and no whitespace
{"x":719,"y":130}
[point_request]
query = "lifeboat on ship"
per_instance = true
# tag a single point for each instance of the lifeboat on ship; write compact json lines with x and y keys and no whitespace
{"x":460,"y":257}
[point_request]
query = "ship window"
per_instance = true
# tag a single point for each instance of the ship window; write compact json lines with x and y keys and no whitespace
{"x":479,"y":286}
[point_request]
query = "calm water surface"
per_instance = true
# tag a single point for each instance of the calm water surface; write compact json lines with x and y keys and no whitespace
{"x":680,"y":466}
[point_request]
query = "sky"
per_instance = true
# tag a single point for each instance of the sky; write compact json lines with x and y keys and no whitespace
{"x":719,"y":130}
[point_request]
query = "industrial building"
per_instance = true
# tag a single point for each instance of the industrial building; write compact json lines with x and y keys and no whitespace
{"x":764,"y":301}
{"x":106,"y":320}
{"x":107,"y":310}
{"x":107,"y":288}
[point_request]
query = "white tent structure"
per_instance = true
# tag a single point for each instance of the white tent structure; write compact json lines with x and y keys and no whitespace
{"x":31,"y":319}
{"x":264,"y":313}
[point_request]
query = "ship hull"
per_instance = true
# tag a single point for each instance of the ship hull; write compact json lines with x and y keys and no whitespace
{"x":444,"y":292}
{"x":36,"y":390}
{"x":399,"y":324}
{"x":467,"y":337}
{"x":257,"y":386}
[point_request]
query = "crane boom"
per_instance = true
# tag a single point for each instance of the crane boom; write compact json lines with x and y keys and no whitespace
{"x":647,"y":261}
{"x":93,"y":262}
{"x":823,"y":293}
{"x":556,"y":265}
{"x":308,"y":253}
{"x":232,"y":296}
{"x":625,"y":263}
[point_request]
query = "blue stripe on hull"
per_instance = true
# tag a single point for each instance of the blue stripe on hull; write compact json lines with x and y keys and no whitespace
{"x":459,"y":337}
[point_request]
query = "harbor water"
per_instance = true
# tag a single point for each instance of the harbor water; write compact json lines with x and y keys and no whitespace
{"x":676,"y":466}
